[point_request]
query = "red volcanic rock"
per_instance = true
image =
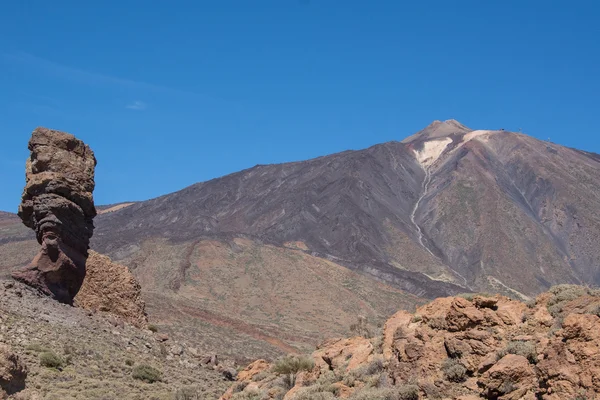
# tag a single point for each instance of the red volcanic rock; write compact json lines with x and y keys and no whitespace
{"x":57,"y":204}
{"x":12,"y":372}
{"x":110,"y":287}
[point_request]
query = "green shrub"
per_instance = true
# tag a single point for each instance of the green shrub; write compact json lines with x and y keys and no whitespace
{"x":49,"y":359}
{"x":416,"y":318}
{"x":525,"y":349}
{"x":152,"y":328}
{"x":453,"y":370}
{"x":293,"y":365}
{"x":146,"y":373}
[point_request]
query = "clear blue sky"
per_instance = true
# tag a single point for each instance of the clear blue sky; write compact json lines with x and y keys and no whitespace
{"x":171,"y":93}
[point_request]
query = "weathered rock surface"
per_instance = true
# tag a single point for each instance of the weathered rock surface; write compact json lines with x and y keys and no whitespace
{"x":57,"y":204}
{"x":110,"y":287}
{"x":12,"y":371}
{"x":476,"y":346}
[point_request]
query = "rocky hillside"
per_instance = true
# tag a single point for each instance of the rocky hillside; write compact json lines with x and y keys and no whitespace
{"x":53,"y":351}
{"x":445,"y":211}
{"x":466,"y":348}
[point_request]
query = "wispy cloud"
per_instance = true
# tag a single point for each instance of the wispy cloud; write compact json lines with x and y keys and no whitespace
{"x":136,"y":105}
{"x":83,"y":76}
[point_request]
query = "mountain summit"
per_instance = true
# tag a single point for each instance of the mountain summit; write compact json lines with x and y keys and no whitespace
{"x":439,"y":129}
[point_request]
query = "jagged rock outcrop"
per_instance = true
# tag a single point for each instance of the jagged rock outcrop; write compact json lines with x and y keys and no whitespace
{"x":471,"y":347}
{"x":12,"y":372}
{"x":58,"y":205}
{"x":110,"y":287}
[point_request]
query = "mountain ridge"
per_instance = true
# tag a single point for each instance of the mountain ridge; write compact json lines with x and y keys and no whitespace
{"x":447,"y":210}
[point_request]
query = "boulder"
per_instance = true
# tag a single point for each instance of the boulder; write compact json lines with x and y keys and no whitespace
{"x":111,"y":288}
{"x":512,"y":377}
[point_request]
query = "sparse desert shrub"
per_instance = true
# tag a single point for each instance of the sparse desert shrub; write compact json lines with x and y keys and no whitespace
{"x":36,"y":347}
{"x":468,"y":296}
{"x":525,"y":349}
{"x":239,"y":387}
{"x":594,"y":310}
{"x":250,"y":395}
{"x":562,"y":294}
{"x":129,"y":362}
{"x":316,"y":392}
{"x":49,"y":359}
{"x":408,"y":392}
{"x":507,"y":386}
{"x":152,"y":328}
{"x":373,"y":367}
{"x":531,"y":303}
{"x":146,"y":373}
{"x":361,"y":327}
{"x":188,"y":393}
{"x":453,"y":370}
{"x":432,"y":392}
{"x":293,"y":365}
{"x":378,"y":344}
{"x":260,"y":376}
{"x":375,"y":394}
{"x":328,"y":378}
{"x":437,"y":323}
{"x":416,"y":318}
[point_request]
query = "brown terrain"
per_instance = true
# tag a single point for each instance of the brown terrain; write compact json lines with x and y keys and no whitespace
{"x":465,"y":348}
{"x":277,"y":257}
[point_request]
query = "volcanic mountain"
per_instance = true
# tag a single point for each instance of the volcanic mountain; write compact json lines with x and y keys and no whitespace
{"x":286,"y":253}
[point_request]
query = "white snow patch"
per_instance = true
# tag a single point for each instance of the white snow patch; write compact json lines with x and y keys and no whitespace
{"x":431,"y":151}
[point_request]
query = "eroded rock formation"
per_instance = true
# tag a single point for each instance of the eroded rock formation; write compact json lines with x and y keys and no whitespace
{"x":466,"y":348}
{"x":110,"y":287}
{"x":58,"y":205}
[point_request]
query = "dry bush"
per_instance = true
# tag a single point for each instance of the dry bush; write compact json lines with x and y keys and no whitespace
{"x":520,"y":348}
{"x":562,"y":294}
{"x":250,"y":395}
{"x":453,"y":370}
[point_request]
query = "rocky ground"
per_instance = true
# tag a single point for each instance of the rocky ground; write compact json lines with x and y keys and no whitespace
{"x":467,"y":347}
{"x":70,"y":353}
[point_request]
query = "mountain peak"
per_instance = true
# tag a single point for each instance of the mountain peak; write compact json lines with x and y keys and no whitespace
{"x":439,"y":129}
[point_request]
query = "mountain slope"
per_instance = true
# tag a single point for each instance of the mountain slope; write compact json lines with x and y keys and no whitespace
{"x":446,"y":210}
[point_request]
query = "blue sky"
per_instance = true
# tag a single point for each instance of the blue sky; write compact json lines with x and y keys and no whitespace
{"x":171,"y":93}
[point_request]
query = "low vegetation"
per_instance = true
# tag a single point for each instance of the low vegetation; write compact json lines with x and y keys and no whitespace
{"x":293,"y":365}
{"x":146,"y":373}
{"x":49,"y":359}
{"x":520,"y":348}
{"x":453,"y":370}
